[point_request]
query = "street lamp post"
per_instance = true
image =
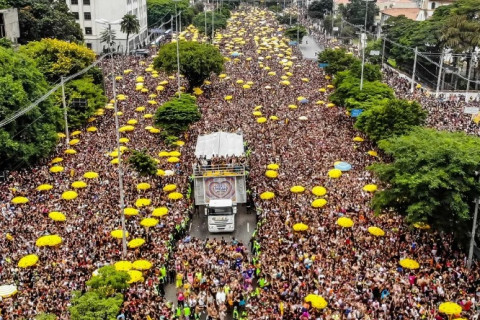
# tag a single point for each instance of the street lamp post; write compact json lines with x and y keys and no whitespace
{"x":117,"y":132}
{"x":363,"y":40}
{"x":178,"y":16}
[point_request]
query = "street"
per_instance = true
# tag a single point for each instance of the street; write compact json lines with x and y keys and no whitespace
{"x":310,"y":48}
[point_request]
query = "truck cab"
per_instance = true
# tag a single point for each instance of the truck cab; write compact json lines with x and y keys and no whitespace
{"x":221,"y":215}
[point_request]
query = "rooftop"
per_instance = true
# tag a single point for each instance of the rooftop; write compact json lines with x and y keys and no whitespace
{"x":410,"y":13}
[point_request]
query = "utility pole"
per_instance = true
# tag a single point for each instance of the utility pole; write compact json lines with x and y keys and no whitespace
{"x":363,"y":39}
{"x":205,"y":20}
{"x":474,"y":228}
{"x":383,"y":52}
{"x":439,"y":73}
{"x":414,"y":69}
{"x":469,"y":74}
{"x":213,"y":20}
{"x":65,"y":118}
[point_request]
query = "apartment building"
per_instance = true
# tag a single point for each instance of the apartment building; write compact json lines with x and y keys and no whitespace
{"x":89,"y":12}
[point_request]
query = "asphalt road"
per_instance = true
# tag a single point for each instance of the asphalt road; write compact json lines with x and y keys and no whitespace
{"x":310,"y":48}
{"x":245,"y":223}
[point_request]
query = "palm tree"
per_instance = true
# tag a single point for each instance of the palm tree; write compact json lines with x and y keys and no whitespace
{"x":108,"y":36}
{"x":129,"y":25}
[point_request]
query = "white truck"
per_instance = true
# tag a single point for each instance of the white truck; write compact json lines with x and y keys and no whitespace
{"x":219,"y":188}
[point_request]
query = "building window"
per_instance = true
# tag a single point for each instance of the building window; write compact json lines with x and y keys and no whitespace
{"x":74,"y":2}
{"x":87,"y":16}
{"x":433,"y":5}
{"x":76,"y":15}
{"x":89,"y":45}
{"x":88,"y":30}
{"x":86,"y":2}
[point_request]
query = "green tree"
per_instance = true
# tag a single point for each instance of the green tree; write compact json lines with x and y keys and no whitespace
{"x":296,"y":33}
{"x":370,"y":73}
{"x":318,"y":9}
{"x":177,"y":114}
{"x":129,"y":25}
{"x":220,"y":22}
{"x":143,"y":163}
{"x":6,"y":43}
{"x":354,"y":12}
{"x":198,"y":7}
{"x":108,"y":36}
{"x":83,"y":88}
{"x":56,"y":58}
{"x":109,"y":280}
{"x":46,"y":19}
{"x":349,"y":95}
{"x":197,"y":60}
{"x":159,"y":11}
{"x":392,"y":118}
{"x":337,"y":59}
{"x":461,"y":30}
{"x":93,"y":306}
{"x":376,"y":45}
{"x":289,"y":19}
{"x":33,"y":135}
{"x":432,"y":178}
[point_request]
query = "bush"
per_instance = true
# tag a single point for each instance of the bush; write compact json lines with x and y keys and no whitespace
{"x":337,"y":59}
{"x":392,"y":118}
{"x":220,"y":22}
{"x":143,"y":163}
{"x":296,"y":33}
{"x":349,"y":95}
{"x":177,"y":114}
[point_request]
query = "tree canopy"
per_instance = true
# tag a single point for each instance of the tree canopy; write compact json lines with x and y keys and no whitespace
{"x":159,"y":11}
{"x":337,"y":59}
{"x":296,"y":33}
{"x":46,"y":19}
{"x":34,"y":134}
{"x":318,"y":9}
{"x":129,"y":25}
{"x":432,"y":178}
{"x":197,"y":60}
{"x":354,"y":12}
{"x":349,"y":95}
{"x":56,"y":58}
{"x":219,"y":22}
{"x":177,"y":114}
{"x":390,"y":118}
{"x":143,"y":163}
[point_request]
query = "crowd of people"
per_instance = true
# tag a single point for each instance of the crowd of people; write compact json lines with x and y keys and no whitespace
{"x":357,"y":273}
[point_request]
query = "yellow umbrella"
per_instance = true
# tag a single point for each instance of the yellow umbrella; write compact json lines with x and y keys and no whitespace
{"x":179,"y":143}
{"x":149,"y":222}
{"x":222,"y":76}
{"x":273,"y":166}
{"x":228,"y":98}
{"x":143,"y":186}
{"x":319,"y":191}
{"x":132,"y":121}
{"x":370,"y":188}
{"x":246,"y":86}
{"x":126,"y":128}
{"x":79,"y":184}
{"x":142,"y":202}
{"x":169,"y":187}
{"x":173,"y":159}
{"x":373,"y":153}
{"x":197,"y":91}
{"x":330,"y":86}
{"x":319,"y":203}
{"x":300,"y":227}
{"x":44,"y":187}
{"x":297,"y":189}
{"x":273,"y":118}
{"x":160,"y":172}
{"x":118,"y":234}
{"x":61,"y":135}
{"x":376,"y":231}
{"x":142,"y":265}
{"x":409,"y":264}
{"x":28,"y":261}
{"x":140,"y":109}
{"x":57,"y":216}
{"x":76,"y":133}
{"x":154,"y":130}
{"x":175,"y":196}
{"x":135,"y":276}
{"x":421,"y":225}
{"x":345,"y":222}
{"x":90,"y":175}
{"x":8,"y":290}
{"x":74,"y":142}
{"x":92,"y":129}
{"x":292,"y":106}
{"x":257,"y":113}
{"x":19,"y":200}
{"x":56,"y":169}
{"x":330,"y":105}
{"x":135,"y":243}
{"x":160,"y":212}
{"x":164,"y":154}
{"x":358,"y":139}
{"x":114,"y":161}
{"x":272,"y":174}
{"x":69,"y":195}
{"x":261,"y":120}
{"x":130,"y":211}
{"x":267,"y":195}
{"x":70,"y":151}
{"x":50,"y":240}
{"x":317,"y":301}
{"x":123,"y":265}
{"x":174,"y":153}
{"x":56,"y":160}
{"x":335,"y":173}
{"x":240,"y":81}
{"x":148,"y":116}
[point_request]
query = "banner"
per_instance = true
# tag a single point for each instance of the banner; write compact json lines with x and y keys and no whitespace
{"x":220,"y":188}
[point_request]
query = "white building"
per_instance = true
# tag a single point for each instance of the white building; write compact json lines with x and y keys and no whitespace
{"x":88,"y":12}
{"x":9,"y":27}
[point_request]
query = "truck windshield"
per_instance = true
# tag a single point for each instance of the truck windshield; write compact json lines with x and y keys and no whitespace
{"x":220,"y":211}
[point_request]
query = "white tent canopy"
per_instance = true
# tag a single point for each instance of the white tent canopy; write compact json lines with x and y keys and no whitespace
{"x":219,"y":144}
